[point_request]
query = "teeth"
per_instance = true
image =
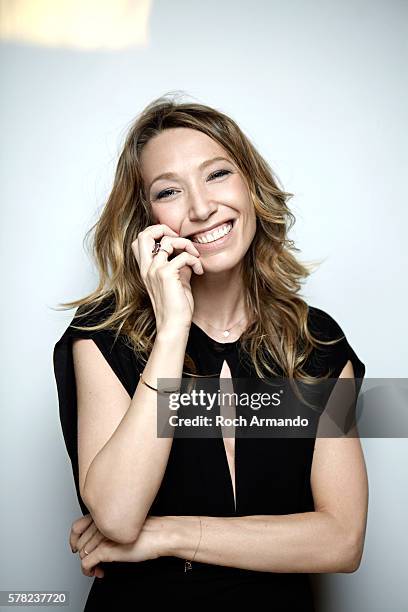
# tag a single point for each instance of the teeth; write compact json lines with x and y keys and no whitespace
{"x":215,"y":234}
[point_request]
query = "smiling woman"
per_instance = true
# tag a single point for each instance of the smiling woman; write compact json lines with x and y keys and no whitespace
{"x":192,"y":247}
{"x":205,"y":197}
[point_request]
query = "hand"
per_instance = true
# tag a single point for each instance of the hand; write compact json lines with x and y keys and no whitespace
{"x":152,"y":542}
{"x":168,"y":281}
{"x":85,"y":535}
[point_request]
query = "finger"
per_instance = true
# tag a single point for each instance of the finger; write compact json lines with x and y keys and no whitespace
{"x":99,"y":573}
{"x":78,"y":527}
{"x":86,"y":536}
{"x":91,"y":544}
{"x":96,"y":556}
{"x":83,"y":537}
{"x":170,"y":244}
{"x":179,"y":243}
{"x":186,"y":259}
{"x":89,"y":573}
{"x":96,"y":571}
{"x":88,"y":564}
{"x":146,"y":241}
{"x":150,"y":235}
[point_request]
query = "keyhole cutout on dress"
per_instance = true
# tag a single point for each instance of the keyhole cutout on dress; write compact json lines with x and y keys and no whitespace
{"x":228,"y":411}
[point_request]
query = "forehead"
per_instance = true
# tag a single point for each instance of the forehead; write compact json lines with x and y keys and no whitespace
{"x":177,"y":149}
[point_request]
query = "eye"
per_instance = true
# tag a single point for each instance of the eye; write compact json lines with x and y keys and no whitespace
{"x":168,"y":192}
{"x":219,"y":173}
{"x":164,"y":194}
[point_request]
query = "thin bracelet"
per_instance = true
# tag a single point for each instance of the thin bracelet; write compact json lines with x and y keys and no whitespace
{"x":154,"y":389}
{"x":187,"y":563}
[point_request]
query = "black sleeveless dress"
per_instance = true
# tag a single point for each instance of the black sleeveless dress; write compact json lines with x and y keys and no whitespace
{"x":272,"y":477}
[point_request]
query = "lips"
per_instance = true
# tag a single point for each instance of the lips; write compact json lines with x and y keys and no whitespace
{"x":210,"y":229}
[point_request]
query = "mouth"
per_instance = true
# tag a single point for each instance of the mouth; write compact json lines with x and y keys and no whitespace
{"x":216,"y":241}
{"x":216,"y":235}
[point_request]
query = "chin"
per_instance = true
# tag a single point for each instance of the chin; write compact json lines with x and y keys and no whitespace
{"x":218,"y":265}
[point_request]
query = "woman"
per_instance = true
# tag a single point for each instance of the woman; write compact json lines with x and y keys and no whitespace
{"x":225,"y":518}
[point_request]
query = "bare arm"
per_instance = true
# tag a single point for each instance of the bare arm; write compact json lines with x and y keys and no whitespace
{"x":121,"y":459}
{"x":330,"y":539}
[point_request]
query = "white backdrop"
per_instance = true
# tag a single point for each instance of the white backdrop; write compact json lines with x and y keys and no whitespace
{"x":320,"y":88}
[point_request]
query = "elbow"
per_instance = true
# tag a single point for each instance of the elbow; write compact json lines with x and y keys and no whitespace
{"x":110,"y":523}
{"x":120,"y":533}
{"x":352,"y":553}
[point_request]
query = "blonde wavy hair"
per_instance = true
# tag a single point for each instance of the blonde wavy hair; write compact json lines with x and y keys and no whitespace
{"x":279,"y":334}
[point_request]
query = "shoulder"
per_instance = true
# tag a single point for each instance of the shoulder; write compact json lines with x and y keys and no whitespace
{"x":115,"y":348}
{"x":91,"y":315}
{"x":332,"y":357}
{"x":323,"y":324}
{"x":90,"y":321}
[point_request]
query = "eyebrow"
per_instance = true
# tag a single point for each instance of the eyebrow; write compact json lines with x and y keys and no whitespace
{"x":207,"y":162}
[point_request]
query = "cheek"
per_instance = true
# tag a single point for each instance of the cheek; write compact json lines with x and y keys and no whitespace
{"x":237,"y":187}
{"x":250,"y":219}
{"x":167,"y":217}
{"x":248,"y":209}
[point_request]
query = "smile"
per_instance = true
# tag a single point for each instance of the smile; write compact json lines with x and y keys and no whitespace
{"x":216,"y":239}
{"x":213,"y":235}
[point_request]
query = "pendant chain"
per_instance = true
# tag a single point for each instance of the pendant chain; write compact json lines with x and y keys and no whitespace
{"x":225,"y":332}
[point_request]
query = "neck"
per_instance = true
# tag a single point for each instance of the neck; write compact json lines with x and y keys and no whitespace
{"x":219,"y":298}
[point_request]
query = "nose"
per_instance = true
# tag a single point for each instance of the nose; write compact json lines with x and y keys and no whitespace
{"x":200,"y":204}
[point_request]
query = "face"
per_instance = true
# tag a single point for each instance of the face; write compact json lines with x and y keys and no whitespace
{"x":192,"y":190}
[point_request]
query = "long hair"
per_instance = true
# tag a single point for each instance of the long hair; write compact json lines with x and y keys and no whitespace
{"x":279,"y":334}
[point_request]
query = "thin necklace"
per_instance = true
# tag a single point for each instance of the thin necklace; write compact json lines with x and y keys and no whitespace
{"x":225,"y":332}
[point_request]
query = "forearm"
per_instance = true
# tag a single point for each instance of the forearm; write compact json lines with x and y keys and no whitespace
{"x":310,"y":542}
{"x":124,"y":477}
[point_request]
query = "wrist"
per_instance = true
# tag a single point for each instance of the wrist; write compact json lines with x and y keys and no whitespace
{"x":173,"y":332}
{"x":179,"y":537}
{"x":169,"y":537}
